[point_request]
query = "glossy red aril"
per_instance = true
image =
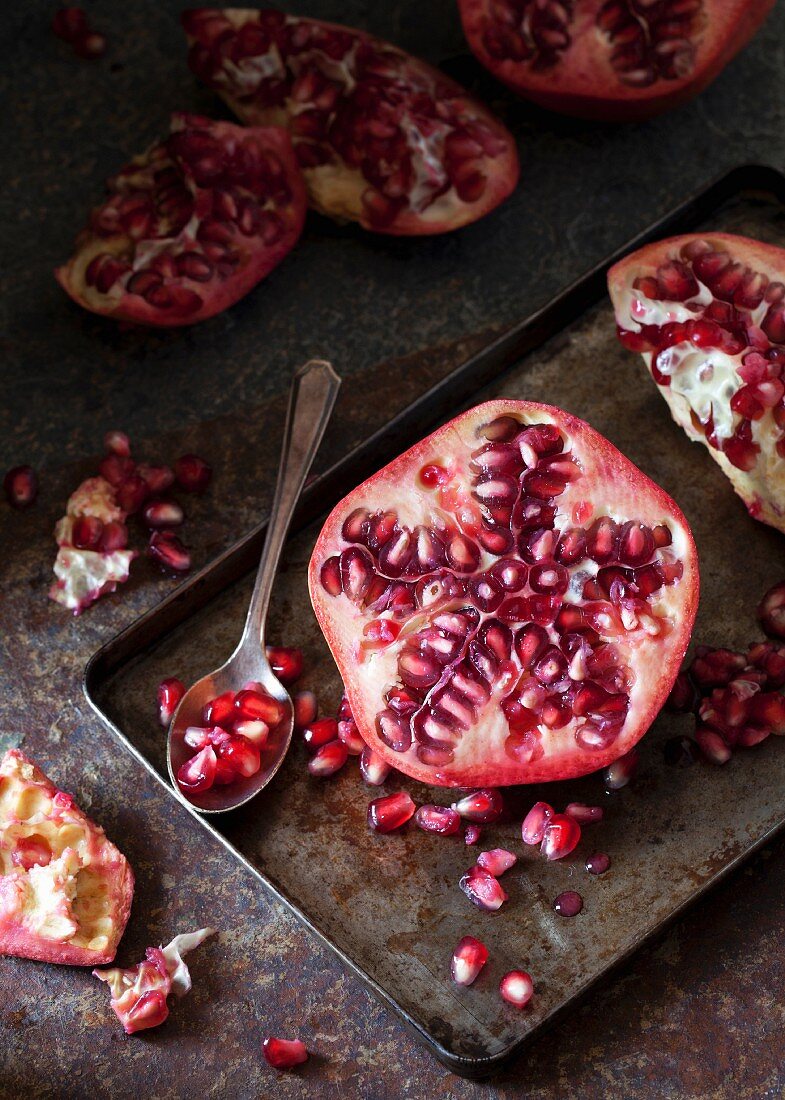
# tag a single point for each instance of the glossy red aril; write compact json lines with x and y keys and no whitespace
{"x":158,"y":478}
{"x":117,"y":442}
{"x":517,"y":988}
{"x":381,"y":137}
{"x":328,"y":759}
{"x":496,"y":861}
{"x":305,"y":709}
{"x":192,"y":473}
{"x":220,"y":711}
{"x":532,"y":685}
{"x":286,"y":662}
{"x":391,"y":812}
{"x":169,"y":552}
{"x":373,"y":768}
{"x":284,"y":1053}
{"x":190,"y":226}
{"x":320,"y":733}
{"x":258,"y":706}
{"x":438,"y":819}
{"x":241,"y":755}
{"x":533,"y":827}
{"x":158,"y":514}
{"x":707,"y":312}
{"x":483,"y":888}
{"x":21,"y":486}
{"x":484,"y":806}
{"x":170,"y":692}
{"x":198,"y":774}
{"x":560,"y":837}
{"x":468,"y":959}
{"x":621,"y":771}
{"x":583,"y":814}
{"x":609,"y":59}
{"x":771,"y":611}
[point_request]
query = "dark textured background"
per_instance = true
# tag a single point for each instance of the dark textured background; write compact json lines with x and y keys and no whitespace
{"x":697,"y":1015}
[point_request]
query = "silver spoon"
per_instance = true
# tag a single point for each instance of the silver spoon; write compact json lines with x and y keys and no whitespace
{"x":312,"y":396}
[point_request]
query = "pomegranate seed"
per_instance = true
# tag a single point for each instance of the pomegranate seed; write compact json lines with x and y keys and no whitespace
{"x":516,"y":987}
{"x":320,"y":733}
{"x":483,"y":888}
{"x":562,"y":834}
{"x":683,"y":695}
{"x":533,"y":827}
{"x":568,"y":904}
{"x":621,"y":771}
{"x":598,"y":863}
{"x":162,"y":513}
{"x":116,"y":468}
{"x":197,"y":738}
{"x":254,"y":731}
{"x":117,"y":443}
{"x":284,"y":1053}
{"x":771,"y":611}
{"x":373,"y":768}
{"x":158,"y":478}
{"x":715,"y":667}
{"x":69,"y":23}
{"x":328,"y":759}
{"x":391,"y":812}
{"x":305,"y":709}
{"x":192,"y":473}
{"x":258,"y":706}
{"x":497,"y":861}
{"x":170,"y":692}
{"x":198,"y":773}
{"x":90,"y":45}
{"x":584,"y":814}
{"x":132,"y":493}
{"x":21,"y":486}
{"x":86,"y":532}
{"x":220,"y":711}
{"x":31,"y":851}
{"x":224,"y":773}
{"x":287,"y":664}
{"x":438,"y":819}
{"x":485,"y":806}
{"x":468,"y":959}
{"x":113,"y":537}
{"x":167,"y":550}
{"x":712,"y":745}
{"x":242,"y":757}
{"x":472,"y":834}
{"x":351,"y":737}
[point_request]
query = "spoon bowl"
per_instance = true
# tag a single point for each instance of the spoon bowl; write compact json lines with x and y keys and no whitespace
{"x":312,"y":396}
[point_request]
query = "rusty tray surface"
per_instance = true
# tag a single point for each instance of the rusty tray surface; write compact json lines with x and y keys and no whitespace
{"x":390,"y":906}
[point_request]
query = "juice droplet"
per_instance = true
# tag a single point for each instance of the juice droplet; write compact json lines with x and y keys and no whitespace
{"x":568,"y":904}
{"x":598,"y":864}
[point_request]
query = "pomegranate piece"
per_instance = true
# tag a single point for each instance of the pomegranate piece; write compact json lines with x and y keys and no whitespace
{"x":159,"y":514}
{"x":190,"y":226}
{"x":497,"y":861}
{"x":139,"y":993}
{"x":472,"y":834}
{"x":381,"y":137}
{"x":221,"y":711}
{"x":21,"y":486}
{"x":533,"y":827}
{"x":305,"y":709}
{"x":328,"y":759}
{"x":65,"y":889}
{"x":712,"y":339}
{"x":771,"y":611}
{"x":320,"y":733}
{"x":468,"y":959}
{"x":391,"y":812}
{"x":373,"y":768}
{"x":583,"y":814}
{"x":483,"y":888}
{"x":612,"y":59}
{"x":621,"y":771}
{"x":712,"y":745}
{"x":198,"y":774}
{"x":438,"y":819}
{"x":561,"y":837}
{"x":192,"y":473}
{"x":167,"y":551}
{"x":483,"y":807}
{"x":286,"y":663}
{"x":284,"y":1053}
{"x":553,"y":676}
{"x":170,"y":692}
{"x":517,"y":988}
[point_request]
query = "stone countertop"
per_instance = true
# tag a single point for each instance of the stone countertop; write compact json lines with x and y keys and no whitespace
{"x":696,"y":1014}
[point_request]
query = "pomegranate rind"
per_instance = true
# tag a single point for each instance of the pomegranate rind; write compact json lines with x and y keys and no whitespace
{"x":336,"y":189}
{"x":583,"y":82}
{"x":255,"y":259}
{"x":614,"y":486}
{"x":763,"y":487}
{"x":74,"y":909}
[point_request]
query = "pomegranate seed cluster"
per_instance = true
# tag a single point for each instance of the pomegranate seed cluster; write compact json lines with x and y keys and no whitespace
{"x":738,"y":314}
{"x":352,"y":100}
{"x":525,"y":615}
{"x":93,"y":555}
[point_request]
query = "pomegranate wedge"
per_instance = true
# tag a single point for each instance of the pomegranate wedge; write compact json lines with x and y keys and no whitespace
{"x":382,"y":138}
{"x":708,"y":314}
{"x":190,"y":226}
{"x":65,"y":890}
{"x":609,"y":59}
{"x":542,"y":591}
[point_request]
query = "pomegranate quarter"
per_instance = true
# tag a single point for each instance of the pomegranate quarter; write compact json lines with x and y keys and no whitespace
{"x":609,"y":59}
{"x":381,"y":137}
{"x":537,"y":593}
{"x":708,"y":315}
{"x":190,"y":226}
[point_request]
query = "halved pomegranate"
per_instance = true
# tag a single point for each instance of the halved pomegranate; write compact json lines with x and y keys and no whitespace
{"x":381,"y":137}
{"x":540,"y":591}
{"x":610,"y":59}
{"x":190,"y":226}
{"x":708,"y":314}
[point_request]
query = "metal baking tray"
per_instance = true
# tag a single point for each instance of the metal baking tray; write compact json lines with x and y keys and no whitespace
{"x":390,"y":906}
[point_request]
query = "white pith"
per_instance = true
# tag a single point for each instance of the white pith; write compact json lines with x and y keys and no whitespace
{"x":451,"y":447}
{"x":127,"y":985}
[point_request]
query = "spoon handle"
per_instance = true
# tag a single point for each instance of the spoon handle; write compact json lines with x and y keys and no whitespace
{"x":314,"y":389}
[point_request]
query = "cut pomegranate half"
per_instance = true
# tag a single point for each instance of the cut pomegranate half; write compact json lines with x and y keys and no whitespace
{"x":65,"y":890}
{"x":381,"y":137}
{"x":610,"y":59}
{"x":190,"y":226}
{"x":708,"y":314}
{"x":544,"y":590}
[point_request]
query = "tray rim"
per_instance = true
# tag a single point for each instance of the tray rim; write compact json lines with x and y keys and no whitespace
{"x":417,"y":418}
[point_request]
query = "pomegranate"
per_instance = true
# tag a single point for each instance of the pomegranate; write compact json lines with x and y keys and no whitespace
{"x":542,"y":593}
{"x":139,"y":993}
{"x":610,"y":59}
{"x":284,"y":1053}
{"x":381,"y":137}
{"x":190,"y":226}
{"x":65,"y":890}
{"x":708,"y":314}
